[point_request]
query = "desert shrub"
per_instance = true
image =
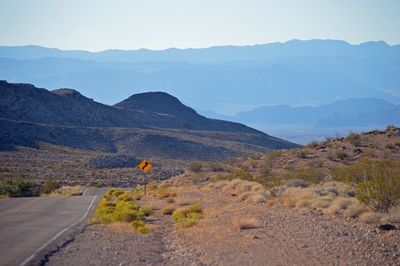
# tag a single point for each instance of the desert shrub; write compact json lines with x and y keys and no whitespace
{"x":124,"y":197}
{"x":99,"y":184}
{"x":390,"y":146}
{"x":313,"y":144}
{"x":170,"y":200}
{"x":256,"y":198}
{"x":119,"y":207}
{"x":341,"y":155}
{"x":195,"y":166}
{"x":167,"y":210}
{"x":255,"y":156}
{"x":216,"y":167}
{"x":49,"y":187}
{"x":309,"y":174}
{"x":188,"y":216}
{"x":141,"y":227}
{"x":339,"y":204}
{"x":139,"y":190}
{"x":147,"y":210}
{"x":296,"y":183}
{"x":240,"y":173}
{"x":302,"y":154}
{"x":117,"y":192}
{"x":377,"y":182}
{"x":265,"y":170}
{"x":354,"y":139}
{"x":152,"y":186}
{"x":196,"y":208}
{"x":18,"y":187}
{"x":271,"y":181}
{"x":126,"y":211}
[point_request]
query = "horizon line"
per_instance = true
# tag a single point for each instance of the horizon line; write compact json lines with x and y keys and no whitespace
{"x":196,"y":48}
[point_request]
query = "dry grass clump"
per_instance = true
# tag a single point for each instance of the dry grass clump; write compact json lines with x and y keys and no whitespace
{"x":339,"y":204}
{"x":164,"y":191}
{"x":247,"y":191}
{"x":370,"y":217}
{"x":167,"y":210}
{"x":183,"y":201}
{"x":187,"y":217}
{"x":218,"y":185}
{"x":323,"y":197}
{"x":67,"y":191}
{"x":393,"y":215}
{"x":355,"y":210}
{"x":253,"y":197}
{"x":245,"y":223}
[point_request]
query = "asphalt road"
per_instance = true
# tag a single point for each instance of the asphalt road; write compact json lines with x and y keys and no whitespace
{"x":32,"y":227}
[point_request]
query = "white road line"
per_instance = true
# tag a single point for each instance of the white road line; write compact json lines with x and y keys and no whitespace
{"x":57,"y":235}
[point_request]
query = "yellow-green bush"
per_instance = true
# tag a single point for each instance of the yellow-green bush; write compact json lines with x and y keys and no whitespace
{"x":119,"y":207}
{"x":170,"y":200}
{"x":141,"y":227}
{"x":168,"y":210}
{"x":146,"y":210}
{"x":187,"y":217}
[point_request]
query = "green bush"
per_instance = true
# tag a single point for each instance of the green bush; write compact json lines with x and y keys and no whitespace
{"x":377,"y":182}
{"x":309,"y":174}
{"x":49,"y":187}
{"x":18,"y":187}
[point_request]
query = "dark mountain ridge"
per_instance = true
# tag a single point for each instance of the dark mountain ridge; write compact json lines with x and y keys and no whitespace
{"x":148,"y":123}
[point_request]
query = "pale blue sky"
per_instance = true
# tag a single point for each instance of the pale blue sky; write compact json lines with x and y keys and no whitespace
{"x":122,"y":24}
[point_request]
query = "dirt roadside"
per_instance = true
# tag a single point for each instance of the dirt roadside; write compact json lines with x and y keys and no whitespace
{"x":283,"y":236}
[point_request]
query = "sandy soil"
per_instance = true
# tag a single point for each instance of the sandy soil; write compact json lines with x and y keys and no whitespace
{"x":283,"y":236}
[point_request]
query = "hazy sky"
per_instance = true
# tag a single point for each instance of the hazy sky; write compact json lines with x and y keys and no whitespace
{"x":130,"y":24}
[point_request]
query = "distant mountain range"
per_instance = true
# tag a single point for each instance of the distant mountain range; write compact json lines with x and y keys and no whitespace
{"x":305,"y":123}
{"x":152,"y":124}
{"x":350,"y":112}
{"x":222,"y":79}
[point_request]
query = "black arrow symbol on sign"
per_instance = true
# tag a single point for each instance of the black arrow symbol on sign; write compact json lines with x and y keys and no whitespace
{"x":145,"y":164}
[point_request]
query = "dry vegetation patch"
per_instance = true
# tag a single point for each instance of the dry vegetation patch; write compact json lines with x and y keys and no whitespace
{"x":246,"y":223}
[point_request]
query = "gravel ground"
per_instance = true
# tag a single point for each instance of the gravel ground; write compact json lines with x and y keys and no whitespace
{"x":284,"y":236}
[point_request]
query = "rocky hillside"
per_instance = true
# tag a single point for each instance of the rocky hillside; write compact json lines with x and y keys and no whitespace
{"x":148,"y":124}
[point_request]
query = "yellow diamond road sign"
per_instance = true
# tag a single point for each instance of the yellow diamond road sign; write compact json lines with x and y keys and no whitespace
{"x":145,"y":166}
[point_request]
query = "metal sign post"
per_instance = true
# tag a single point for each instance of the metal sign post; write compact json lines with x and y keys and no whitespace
{"x":145,"y":166}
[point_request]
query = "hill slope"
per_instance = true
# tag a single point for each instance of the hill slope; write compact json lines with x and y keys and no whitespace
{"x":150,"y":124}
